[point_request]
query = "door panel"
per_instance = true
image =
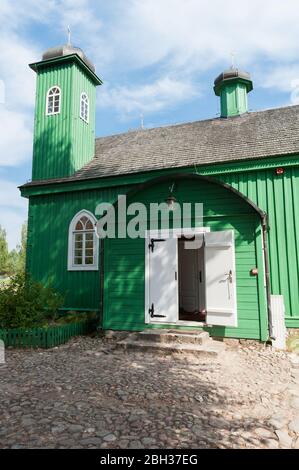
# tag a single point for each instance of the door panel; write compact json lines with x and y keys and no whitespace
{"x":220,"y":279}
{"x":163,"y":284}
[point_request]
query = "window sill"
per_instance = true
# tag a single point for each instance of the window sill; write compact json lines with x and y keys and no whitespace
{"x":83,"y":268}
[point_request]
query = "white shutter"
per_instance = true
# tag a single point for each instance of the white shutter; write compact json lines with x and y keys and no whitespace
{"x":163,"y":284}
{"x":220,"y":279}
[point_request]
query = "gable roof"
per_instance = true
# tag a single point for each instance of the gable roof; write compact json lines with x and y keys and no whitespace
{"x":255,"y":135}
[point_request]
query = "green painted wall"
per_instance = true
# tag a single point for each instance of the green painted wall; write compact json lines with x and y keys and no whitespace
{"x":63,"y":142}
{"x":49,"y":219}
{"x":47,"y":252}
{"x":277,"y":195}
{"x":125,"y":260}
{"x":234,"y":100}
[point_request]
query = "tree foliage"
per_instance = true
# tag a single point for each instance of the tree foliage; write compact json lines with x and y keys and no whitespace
{"x":25,"y":303}
{"x":12,"y":262}
{"x":4,"y":254}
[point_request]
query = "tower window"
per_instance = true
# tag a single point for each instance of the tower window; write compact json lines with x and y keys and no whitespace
{"x":83,"y":243}
{"x":84,"y":107}
{"x":53,"y":100}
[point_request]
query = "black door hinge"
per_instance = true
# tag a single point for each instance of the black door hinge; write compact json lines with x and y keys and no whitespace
{"x":151,"y":246}
{"x":151,"y":311}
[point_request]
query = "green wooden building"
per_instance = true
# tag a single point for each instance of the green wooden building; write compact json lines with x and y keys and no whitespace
{"x":242,"y":167}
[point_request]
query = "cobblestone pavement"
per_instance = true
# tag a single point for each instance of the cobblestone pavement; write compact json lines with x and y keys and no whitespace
{"x":87,"y":394}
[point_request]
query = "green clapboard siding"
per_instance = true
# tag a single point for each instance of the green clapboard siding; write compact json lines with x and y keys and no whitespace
{"x":49,"y":219}
{"x":63,"y":143}
{"x":234,"y":100}
{"x":125,"y":261}
{"x":279,"y":197}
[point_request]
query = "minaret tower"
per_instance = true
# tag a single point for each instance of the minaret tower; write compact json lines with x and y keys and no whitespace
{"x":64,"y":129}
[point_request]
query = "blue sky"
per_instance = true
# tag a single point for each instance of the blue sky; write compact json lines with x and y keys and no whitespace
{"x":156,"y":57}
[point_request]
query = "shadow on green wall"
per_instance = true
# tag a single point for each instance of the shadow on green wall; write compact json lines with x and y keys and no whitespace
{"x":125,"y":259}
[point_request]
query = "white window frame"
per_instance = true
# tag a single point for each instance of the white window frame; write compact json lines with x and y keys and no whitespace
{"x":86,"y":106}
{"x":71,"y":244}
{"x":47,"y":101}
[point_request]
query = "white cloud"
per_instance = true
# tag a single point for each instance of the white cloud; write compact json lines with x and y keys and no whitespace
{"x":181,"y":38}
{"x":15,"y":15}
{"x":185,"y":38}
{"x":196,"y":34}
{"x":10,"y":195}
{"x":283,"y":78}
{"x":80,"y":15}
{"x":164,"y":93}
{"x":18,"y":87}
{"x":18,"y":79}
{"x":15,"y":138}
{"x":280,"y":77}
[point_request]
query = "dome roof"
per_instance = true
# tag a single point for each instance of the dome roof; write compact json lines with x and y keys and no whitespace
{"x":233,"y":74}
{"x":66,"y":50}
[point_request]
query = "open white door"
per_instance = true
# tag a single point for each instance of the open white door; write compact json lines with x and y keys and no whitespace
{"x":188,"y":278}
{"x":163,"y":284}
{"x":220,"y":279}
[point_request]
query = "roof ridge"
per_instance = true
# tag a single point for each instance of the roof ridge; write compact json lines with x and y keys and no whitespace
{"x":186,"y":123}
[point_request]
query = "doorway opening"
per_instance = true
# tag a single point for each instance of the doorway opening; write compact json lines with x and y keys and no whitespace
{"x":191,"y":277}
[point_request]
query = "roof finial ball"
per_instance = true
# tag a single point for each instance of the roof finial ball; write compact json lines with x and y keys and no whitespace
{"x":232,"y":86}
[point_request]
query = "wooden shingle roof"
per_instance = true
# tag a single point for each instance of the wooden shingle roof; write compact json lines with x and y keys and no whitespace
{"x":254,"y":135}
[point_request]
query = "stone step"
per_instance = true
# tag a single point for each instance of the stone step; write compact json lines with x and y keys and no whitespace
{"x":173,"y":336}
{"x":209,"y":349}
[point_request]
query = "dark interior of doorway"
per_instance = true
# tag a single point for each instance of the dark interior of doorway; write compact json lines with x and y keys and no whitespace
{"x":191,"y":283}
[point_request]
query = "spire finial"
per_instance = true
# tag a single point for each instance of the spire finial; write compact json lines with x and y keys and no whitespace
{"x":141,"y":121}
{"x":233,"y":60}
{"x":68,"y":36}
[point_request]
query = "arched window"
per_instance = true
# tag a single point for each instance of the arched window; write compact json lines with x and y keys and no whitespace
{"x":83,"y":243}
{"x":84,"y":107}
{"x":53,"y":100}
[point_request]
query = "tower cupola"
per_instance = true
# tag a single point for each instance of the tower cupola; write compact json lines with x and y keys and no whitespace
{"x":64,"y":131}
{"x":66,"y":50}
{"x":233,"y":86}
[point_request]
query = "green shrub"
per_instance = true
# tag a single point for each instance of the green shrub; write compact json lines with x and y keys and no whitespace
{"x":75,"y":317}
{"x":25,"y":303}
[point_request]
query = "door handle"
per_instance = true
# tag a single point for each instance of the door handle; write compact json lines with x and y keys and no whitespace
{"x":230,"y":276}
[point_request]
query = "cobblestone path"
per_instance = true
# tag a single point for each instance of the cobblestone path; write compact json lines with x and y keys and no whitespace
{"x":88,"y":394}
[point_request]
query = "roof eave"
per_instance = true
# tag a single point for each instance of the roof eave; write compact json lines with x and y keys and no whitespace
{"x":230,"y":81}
{"x":36,"y":66}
